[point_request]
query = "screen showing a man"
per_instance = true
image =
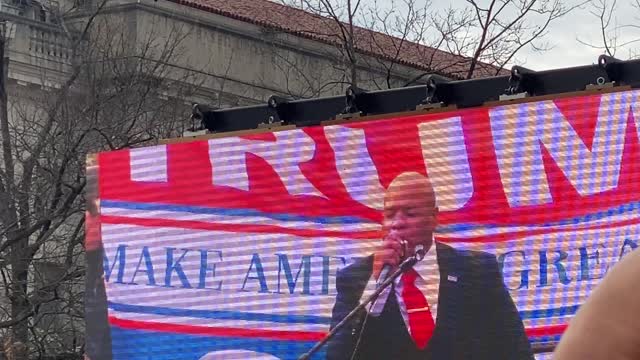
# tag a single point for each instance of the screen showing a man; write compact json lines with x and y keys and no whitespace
{"x":257,"y":245}
{"x":451,"y":305}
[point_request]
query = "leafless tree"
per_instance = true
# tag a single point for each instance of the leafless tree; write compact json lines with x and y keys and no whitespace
{"x":499,"y":29}
{"x":614,"y":36}
{"x":604,"y":11}
{"x":118,"y":92}
{"x":400,"y":30}
{"x":478,"y":39}
{"x":357,"y":55}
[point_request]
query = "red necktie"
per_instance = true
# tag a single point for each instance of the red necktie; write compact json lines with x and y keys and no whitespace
{"x":421,"y":323}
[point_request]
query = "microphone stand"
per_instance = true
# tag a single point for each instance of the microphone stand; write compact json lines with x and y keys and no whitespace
{"x":404,"y":266}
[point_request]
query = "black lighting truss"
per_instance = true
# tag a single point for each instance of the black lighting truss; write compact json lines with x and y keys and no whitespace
{"x":438,"y":91}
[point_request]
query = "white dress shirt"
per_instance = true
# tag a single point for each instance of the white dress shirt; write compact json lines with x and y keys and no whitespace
{"x":428,"y":282}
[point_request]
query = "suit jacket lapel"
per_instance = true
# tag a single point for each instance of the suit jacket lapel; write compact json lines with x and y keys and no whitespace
{"x":449,"y":297}
{"x":451,"y":278}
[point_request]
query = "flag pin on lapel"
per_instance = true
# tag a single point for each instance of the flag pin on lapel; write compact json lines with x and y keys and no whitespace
{"x":452,"y":278}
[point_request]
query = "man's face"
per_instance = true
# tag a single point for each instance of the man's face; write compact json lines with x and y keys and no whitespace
{"x":410,"y":212}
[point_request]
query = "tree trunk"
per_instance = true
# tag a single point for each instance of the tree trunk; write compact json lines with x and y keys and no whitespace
{"x":18,"y":295}
{"x":354,"y":75}
{"x":18,"y":259}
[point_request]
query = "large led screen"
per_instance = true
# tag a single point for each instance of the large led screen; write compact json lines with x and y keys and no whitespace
{"x":255,"y":246}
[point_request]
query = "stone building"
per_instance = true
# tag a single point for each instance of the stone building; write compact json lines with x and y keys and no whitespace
{"x":243,"y":51}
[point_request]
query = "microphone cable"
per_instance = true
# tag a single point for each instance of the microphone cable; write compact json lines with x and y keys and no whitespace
{"x":366,"y":317}
{"x":364,"y":324}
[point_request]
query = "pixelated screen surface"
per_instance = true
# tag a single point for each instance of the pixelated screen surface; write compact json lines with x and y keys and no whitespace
{"x":232,"y":247}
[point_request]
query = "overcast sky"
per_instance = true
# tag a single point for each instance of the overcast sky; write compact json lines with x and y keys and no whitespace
{"x":564,"y":34}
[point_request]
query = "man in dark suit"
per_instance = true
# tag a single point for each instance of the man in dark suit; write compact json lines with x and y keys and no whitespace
{"x":451,"y":305}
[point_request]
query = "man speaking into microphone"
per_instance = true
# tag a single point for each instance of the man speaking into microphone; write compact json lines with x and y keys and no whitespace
{"x":451,"y":305}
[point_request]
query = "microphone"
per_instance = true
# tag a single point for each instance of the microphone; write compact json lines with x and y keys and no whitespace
{"x":386,"y":268}
{"x":420,"y":253}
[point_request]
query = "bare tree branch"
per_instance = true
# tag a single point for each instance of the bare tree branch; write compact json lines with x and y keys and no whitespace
{"x":118,"y":92}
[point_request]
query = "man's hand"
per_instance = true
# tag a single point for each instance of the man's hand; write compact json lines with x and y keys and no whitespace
{"x":389,"y":252}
